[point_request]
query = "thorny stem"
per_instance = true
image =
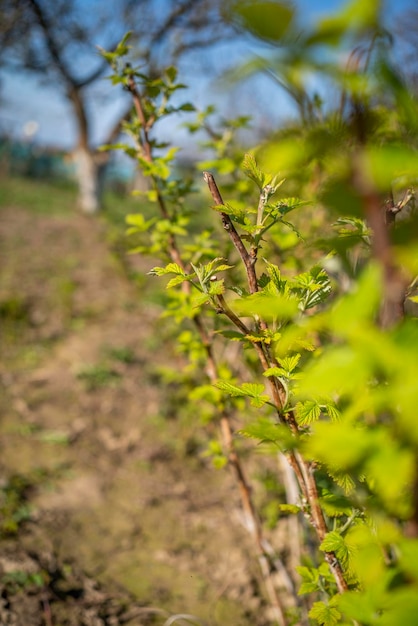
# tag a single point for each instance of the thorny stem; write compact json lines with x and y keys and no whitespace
{"x":268,"y":562}
{"x":302,"y":468}
{"x":249,"y":260}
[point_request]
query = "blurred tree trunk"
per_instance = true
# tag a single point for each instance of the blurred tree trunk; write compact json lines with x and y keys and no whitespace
{"x":89,"y":176}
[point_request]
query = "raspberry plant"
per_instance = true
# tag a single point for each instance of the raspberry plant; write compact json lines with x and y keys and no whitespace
{"x":308,"y":273}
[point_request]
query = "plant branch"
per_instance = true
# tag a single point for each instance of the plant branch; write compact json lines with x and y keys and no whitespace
{"x":302,"y":468}
{"x":249,"y":260}
{"x":254,"y":525}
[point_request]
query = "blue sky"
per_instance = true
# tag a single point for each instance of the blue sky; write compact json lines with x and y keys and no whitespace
{"x":24,"y":98}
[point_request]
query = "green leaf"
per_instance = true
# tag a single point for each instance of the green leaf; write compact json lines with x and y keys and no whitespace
{"x":187,"y":106}
{"x":217,"y":287}
{"x":232,"y":335}
{"x":360,"y":306}
{"x":307,"y":412}
{"x":335,"y":505}
{"x":334,"y":542}
{"x":266,"y":20}
{"x":138,"y":223}
{"x":310,"y":580}
{"x":171,"y":268}
{"x":171,"y":73}
{"x":285,"y":205}
{"x":275,"y":276}
{"x":177,"y":280}
{"x":293,"y":509}
{"x":236,"y":213}
{"x":252,"y":170}
{"x":290,"y":363}
{"x":249,"y":390}
{"x":265,"y":430}
{"x":340,"y":370}
{"x":388,"y":162}
{"x":273,"y":371}
{"x":324,"y":614}
{"x":267,"y":307}
{"x":341,"y":446}
{"x":332,"y":411}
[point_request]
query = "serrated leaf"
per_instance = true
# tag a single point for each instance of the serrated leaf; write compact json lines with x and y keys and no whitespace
{"x":273,"y":371}
{"x":310,"y":580}
{"x":333,"y":412}
{"x":223,"y":268}
{"x":171,"y":268}
{"x":229,"y":388}
{"x":324,"y":614}
{"x":307,"y":412}
{"x":259,"y":401}
{"x":335,"y":505}
{"x":344,"y":481}
{"x":236,"y":213}
{"x":177,"y":280}
{"x":307,"y":587}
{"x":288,"y":204}
{"x":305,"y":344}
{"x":216,"y":288}
{"x":252,"y":170}
{"x":290,"y":362}
{"x":275,"y":275}
{"x":334,"y":542}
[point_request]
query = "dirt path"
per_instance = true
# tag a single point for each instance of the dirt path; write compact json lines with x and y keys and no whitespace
{"x":125,"y":514}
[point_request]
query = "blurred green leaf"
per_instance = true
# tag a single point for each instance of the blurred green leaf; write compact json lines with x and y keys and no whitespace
{"x":265,"y":306}
{"x":267,"y":20}
{"x":325,"y":614}
{"x":264,"y":430}
{"x":386,"y":163}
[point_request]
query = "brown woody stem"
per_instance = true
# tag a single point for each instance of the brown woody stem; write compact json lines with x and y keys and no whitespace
{"x":248,"y":260}
{"x":302,"y":468}
{"x":264,"y":555}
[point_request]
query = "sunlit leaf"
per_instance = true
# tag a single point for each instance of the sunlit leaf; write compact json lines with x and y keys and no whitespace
{"x":307,"y":412}
{"x":324,"y":614}
{"x":266,"y":307}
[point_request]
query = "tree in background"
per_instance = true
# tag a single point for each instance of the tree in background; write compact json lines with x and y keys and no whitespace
{"x":58,"y":42}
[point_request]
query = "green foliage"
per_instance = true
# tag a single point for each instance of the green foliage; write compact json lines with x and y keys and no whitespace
{"x":325,"y":614}
{"x":100,"y":375}
{"x":319,"y":376}
{"x":19,"y":579}
{"x":14,"y":502}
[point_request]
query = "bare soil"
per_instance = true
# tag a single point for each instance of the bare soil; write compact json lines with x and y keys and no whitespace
{"x":120,"y":519}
